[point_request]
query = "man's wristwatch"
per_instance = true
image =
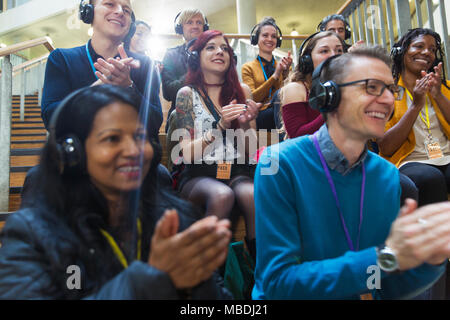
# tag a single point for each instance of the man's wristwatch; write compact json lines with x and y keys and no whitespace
{"x":386,"y":259}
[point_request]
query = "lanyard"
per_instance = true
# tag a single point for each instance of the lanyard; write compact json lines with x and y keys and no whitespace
{"x":264,"y":72}
{"x":90,"y":60}
{"x":333,"y":189}
{"x":427,"y":123}
{"x":116,"y":249}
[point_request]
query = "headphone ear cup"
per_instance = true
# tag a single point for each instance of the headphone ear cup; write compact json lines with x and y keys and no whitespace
{"x":193,"y":60}
{"x":324,"y":97}
{"x":86,"y":13}
{"x":348,"y":32}
{"x":396,"y":53}
{"x":71,"y":154}
{"x":253,"y":40}
{"x":178,"y":29}
{"x":206,"y":25}
{"x":306,"y":64}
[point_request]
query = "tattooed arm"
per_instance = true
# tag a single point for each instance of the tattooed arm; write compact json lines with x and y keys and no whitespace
{"x":185,"y":120}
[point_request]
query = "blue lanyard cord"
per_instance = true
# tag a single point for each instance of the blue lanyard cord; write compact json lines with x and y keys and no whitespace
{"x":264,"y":72}
{"x":90,"y":60}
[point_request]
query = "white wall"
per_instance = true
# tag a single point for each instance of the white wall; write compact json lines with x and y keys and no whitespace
{"x":32,"y":12}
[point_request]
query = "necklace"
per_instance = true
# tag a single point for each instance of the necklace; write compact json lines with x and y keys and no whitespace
{"x":214,"y":84}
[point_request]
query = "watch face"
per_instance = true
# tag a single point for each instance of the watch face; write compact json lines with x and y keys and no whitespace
{"x":388,"y":261}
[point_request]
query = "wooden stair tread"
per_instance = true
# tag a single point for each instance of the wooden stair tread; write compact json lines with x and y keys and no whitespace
{"x":24,"y":160}
{"x":28,"y":138}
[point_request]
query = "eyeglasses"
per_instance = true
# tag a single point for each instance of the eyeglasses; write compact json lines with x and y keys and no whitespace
{"x":376,"y":87}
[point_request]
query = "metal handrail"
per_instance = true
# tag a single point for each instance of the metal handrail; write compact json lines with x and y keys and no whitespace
{"x":28,"y":64}
{"x":45,"y":41}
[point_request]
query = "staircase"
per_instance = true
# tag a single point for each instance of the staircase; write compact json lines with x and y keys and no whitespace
{"x":27,"y":139}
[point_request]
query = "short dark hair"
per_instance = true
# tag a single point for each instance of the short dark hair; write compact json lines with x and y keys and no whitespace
{"x":266,"y":21}
{"x":323,"y":24}
{"x":338,"y":69}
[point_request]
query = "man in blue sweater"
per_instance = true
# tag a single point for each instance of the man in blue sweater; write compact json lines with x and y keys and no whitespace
{"x":329,"y":227}
{"x":103,"y":60}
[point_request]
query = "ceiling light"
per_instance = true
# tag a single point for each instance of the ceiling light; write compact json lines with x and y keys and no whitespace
{"x":2,"y":45}
{"x":90,"y":32}
{"x":294,"y":33}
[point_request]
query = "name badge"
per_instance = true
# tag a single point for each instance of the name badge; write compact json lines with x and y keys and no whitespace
{"x":223,"y":171}
{"x":433,"y":149}
{"x":367,"y":296}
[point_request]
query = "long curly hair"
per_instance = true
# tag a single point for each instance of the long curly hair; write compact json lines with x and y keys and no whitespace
{"x":231,"y":89}
{"x":402,"y":45}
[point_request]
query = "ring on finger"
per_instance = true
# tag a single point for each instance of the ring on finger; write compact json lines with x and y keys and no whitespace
{"x":422,"y":221}
{"x":109,"y":78}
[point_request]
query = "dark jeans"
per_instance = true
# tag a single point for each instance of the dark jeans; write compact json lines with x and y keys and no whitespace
{"x":265,"y":119}
{"x":431,"y":181}
{"x":409,"y":189}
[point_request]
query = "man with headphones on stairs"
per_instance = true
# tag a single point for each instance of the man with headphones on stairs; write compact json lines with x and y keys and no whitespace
{"x":103,"y":60}
{"x":189,"y":23}
{"x":338,"y":24}
{"x":331,"y":226}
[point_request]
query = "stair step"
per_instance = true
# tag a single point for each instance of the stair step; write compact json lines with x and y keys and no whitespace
{"x":14,"y":203}
{"x":21,"y":169}
{"x":4,"y":216}
{"x":24,"y":160}
{"x":27,"y":145}
{"x":28,"y":128}
{"x":26,"y":152}
{"x":16,"y":179}
{"x":43,"y":134}
{"x":26,"y":131}
{"x":27,"y":138}
{"x":26,"y":117}
{"x":15,"y":190}
{"x":19,"y":143}
{"x":14,"y":121}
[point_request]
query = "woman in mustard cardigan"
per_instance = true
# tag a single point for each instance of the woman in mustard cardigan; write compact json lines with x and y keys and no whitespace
{"x":264,"y":75}
{"x":417,"y":136}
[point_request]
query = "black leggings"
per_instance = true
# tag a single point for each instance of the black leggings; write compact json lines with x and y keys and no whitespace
{"x":431,"y":181}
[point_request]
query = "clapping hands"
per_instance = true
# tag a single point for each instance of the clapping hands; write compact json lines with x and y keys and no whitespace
{"x":116,"y":71}
{"x":191,"y":256}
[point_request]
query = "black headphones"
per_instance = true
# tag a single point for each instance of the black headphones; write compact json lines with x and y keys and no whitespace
{"x":255,"y":35}
{"x":86,"y":14}
{"x":324,"y":97}
{"x":70,"y":150}
{"x":179,"y":27}
{"x":324,"y":22}
{"x":193,"y":57}
{"x":305,"y":63}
